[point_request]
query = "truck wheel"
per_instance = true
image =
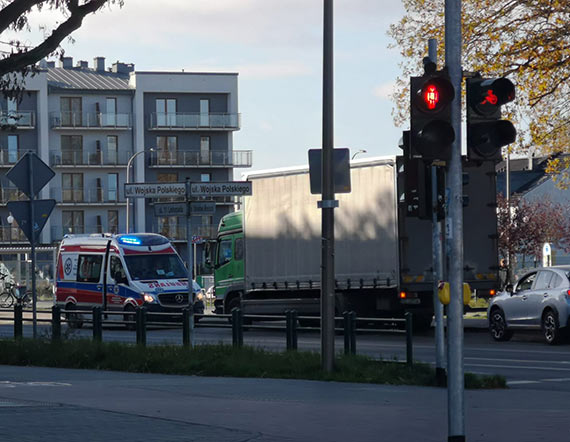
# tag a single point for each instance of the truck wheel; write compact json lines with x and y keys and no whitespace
{"x":74,"y":320}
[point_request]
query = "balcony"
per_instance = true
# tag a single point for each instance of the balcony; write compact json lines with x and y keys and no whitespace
{"x":17,"y":120}
{"x":176,"y":232}
{"x":9,"y":158}
{"x":96,"y":120}
{"x":236,"y":158}
{"x":75,"y":196}
{"x":194,"y":121}
{"x":11,"y":194}
{"x":72,"y":158}
{"x":58,"y":232}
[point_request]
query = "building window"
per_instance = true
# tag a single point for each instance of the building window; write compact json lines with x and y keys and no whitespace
{"x":204,"y":112}
{"x":168,"y":226}
{"x":72,"y":149}
{"x":72,"y":187}
{"x":206,"y":177}
{"x":71,"y":111}
{"x":112,"y":149}
{"x":167,"y":177}
{"x":113,"y":186}
{"x":12,"y":148}
{"x":205,"y":150}
{"x":12,"y":107}
{"x":166,"y":112}
{"x":167,"y":150}
{"x":72,"y":221}
{"x":113,"y":221}
{"x":110,"y":117}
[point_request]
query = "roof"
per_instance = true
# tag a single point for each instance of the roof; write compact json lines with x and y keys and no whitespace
{"x":86,"y":79}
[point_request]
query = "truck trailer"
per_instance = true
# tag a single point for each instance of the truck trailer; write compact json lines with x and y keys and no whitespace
{"x":267,"y":258}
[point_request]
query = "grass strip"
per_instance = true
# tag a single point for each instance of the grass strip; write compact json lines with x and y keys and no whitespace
{"x":222,"y":360}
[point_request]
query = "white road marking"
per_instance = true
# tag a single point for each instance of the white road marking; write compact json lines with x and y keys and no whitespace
{"x":518,"y":367}
{"x":522,"y":382}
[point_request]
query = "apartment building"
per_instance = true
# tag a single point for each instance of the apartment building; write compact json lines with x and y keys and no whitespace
{"x":94,"y":124}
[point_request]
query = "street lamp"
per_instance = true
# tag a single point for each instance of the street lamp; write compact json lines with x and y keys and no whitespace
{"x":128,"y":174}
{"x":358,"y":152}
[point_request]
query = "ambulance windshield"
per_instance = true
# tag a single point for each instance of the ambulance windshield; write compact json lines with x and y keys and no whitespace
{"x":155,"y":266}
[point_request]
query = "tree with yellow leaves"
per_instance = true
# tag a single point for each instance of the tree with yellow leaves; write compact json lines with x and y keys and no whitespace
{"x":527,"y":41}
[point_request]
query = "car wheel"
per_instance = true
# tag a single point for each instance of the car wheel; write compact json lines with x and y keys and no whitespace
{"x":551,"y":328}
{"x":498,"y":326}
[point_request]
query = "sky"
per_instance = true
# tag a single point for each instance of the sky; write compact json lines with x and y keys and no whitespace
{"x":276,"y":48}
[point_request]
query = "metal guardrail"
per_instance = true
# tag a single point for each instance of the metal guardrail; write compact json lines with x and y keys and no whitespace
{"x":137,"y":320}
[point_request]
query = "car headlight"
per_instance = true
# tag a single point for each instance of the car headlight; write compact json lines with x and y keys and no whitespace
{"x":148,"y":298}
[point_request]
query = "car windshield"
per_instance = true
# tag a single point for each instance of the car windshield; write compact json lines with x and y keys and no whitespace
{"x":143,"y":267}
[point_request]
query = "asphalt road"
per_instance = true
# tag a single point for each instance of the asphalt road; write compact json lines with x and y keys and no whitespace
{"x":526,"y":361}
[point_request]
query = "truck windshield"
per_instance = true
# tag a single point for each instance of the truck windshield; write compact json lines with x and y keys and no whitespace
{"x":143,"y":267}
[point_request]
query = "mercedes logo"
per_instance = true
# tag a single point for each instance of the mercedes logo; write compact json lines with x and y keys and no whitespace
{"x":179,"y":298}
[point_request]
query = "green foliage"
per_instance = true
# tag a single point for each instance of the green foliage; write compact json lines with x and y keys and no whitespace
{"x":221,"y":360}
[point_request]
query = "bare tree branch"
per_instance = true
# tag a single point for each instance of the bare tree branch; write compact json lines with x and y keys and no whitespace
{"x":14,"y":10}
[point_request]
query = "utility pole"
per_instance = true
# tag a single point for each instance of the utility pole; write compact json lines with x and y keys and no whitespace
{"x":455,"y":385}
{"x":327,"y":204}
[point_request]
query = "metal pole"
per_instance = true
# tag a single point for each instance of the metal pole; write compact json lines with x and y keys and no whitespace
{"x":189,"y":254}
{"x":455,"y":389}
{"x":327,"y":257}
{"x":508,"y":196}
{"x":436,"y":260}
{"x":128,"y":181}
{"x":33,"y":246}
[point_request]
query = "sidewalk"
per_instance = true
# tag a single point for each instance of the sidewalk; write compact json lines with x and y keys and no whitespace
{"x":45,"y":404}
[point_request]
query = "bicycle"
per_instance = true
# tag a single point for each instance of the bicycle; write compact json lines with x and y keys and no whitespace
{"x":8,"y":295}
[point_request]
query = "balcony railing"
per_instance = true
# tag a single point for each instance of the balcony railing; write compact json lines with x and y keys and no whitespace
{"x":26,"y":120}
{"x":58,"y":232}
{"x":176,"y":232}
{"x":236,"y":158}
{"x":98,"y":120}
{"x":9,"y":158}
{"x":12,"y":234}
{"x":96,"y":195}
{"x":195,"y":121}
{"x":11,"y":194}
{"x":89,"y":158}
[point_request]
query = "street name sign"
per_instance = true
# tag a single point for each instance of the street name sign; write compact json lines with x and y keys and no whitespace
{"x":154,"y":190}
{"x":171,"y":209}
{"x":232,"y":188}
{"x":202,"y":207}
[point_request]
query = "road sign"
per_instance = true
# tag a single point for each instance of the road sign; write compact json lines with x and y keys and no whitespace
{"x":341,"y":172}
{"x":21,"y":212}
{"x":154,"y":190}
{"x":19,"y":174}
{"x":171,"y":209}
{"x":232,"y":188}
{"x":202,"y":207}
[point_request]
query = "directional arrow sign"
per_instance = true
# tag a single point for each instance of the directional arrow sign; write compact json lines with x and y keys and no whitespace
{"x":21,"y":212}
{"x":20,"y":174}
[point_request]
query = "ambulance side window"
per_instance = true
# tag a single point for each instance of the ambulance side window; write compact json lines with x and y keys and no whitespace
{"x":117,"y":271}
{"x":89,"y":268}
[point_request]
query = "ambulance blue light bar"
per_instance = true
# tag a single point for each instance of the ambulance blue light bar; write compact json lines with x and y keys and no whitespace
{"x":130,"y":240}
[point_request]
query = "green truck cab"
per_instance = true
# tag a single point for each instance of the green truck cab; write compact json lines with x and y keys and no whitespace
{"x":228,"y":263}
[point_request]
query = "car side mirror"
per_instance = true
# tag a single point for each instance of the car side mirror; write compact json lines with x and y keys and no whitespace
{"x":509,"y":288}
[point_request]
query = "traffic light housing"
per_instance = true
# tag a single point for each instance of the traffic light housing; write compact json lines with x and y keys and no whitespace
{"x":486,"y":132}
{"x":417,"y":176}
{"x":431,"y":132}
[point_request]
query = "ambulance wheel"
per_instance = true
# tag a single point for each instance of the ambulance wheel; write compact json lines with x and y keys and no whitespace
{"x":130,"y":317}
{"x":74,"y":320}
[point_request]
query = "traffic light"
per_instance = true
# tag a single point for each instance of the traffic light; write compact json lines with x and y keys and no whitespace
{"x":486,"y":132}
{"x":431,"y":131}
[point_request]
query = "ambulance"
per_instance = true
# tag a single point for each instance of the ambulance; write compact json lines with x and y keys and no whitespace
{"x":120,"y":273}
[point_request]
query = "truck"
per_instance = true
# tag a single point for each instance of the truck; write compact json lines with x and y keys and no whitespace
{"x":267,"y":257}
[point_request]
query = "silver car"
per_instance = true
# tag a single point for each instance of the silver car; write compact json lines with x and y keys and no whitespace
{"x":539,"y":300}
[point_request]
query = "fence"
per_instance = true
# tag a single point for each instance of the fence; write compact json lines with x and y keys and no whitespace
{"x":137,"y":320}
